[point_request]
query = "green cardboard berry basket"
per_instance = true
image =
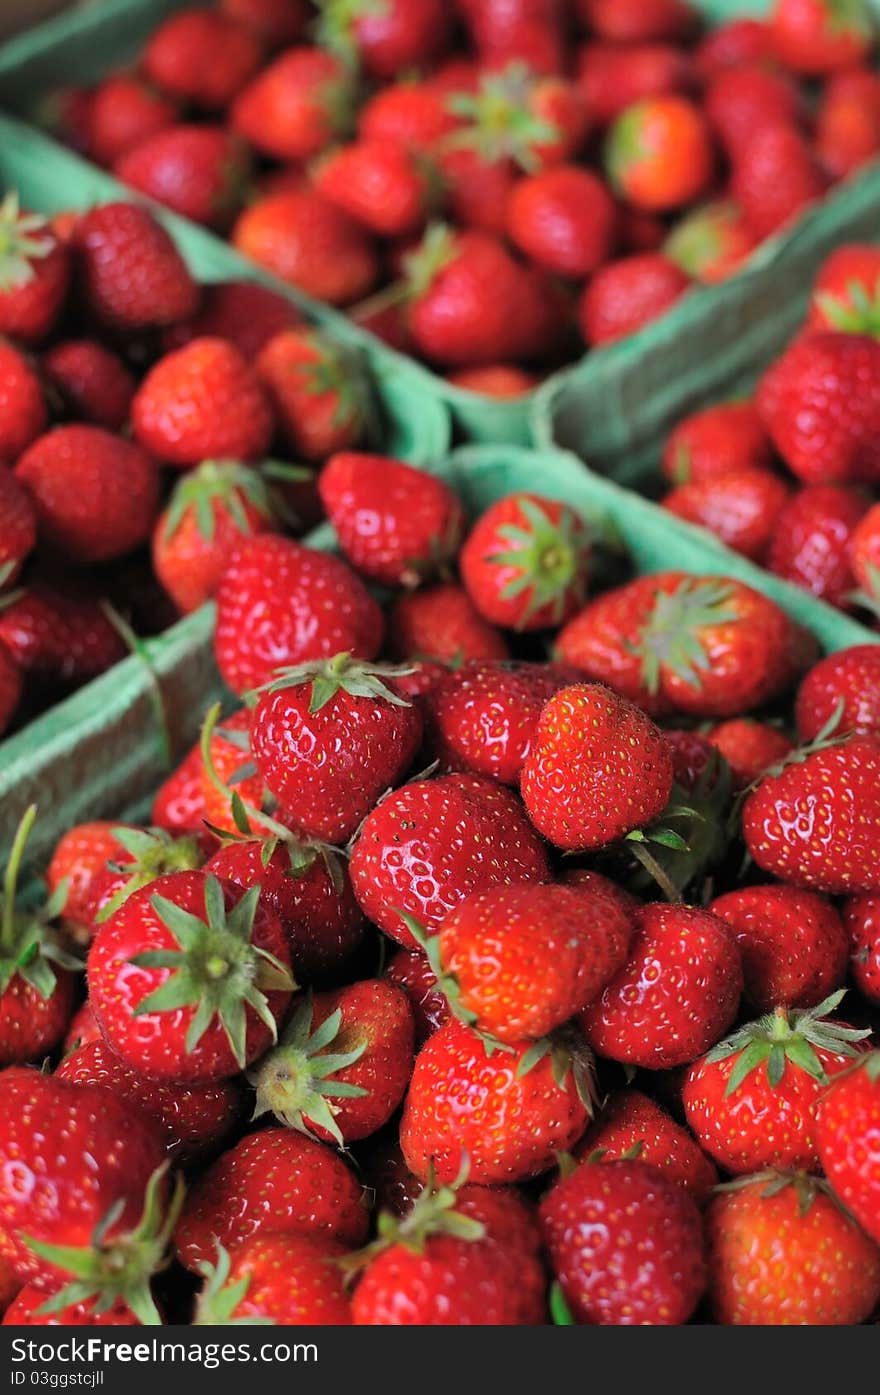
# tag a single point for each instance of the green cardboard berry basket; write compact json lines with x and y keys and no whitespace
{"x":613,"y":401}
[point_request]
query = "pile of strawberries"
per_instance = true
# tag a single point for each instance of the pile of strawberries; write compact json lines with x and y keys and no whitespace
{"x":790,"y":478}
{"x":476,"y":987}
{"x":139,"y":413}
{"x":490,"y":184}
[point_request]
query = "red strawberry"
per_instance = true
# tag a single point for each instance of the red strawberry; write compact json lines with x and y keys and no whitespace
{"x":826,"y":1272}
{"x":430,"y":844}
{"x":441,"y":622}
{"x":244,"y":312}
{"x":319,"y":392}
{"x":745,"y":99}
{"x":848,"y":122}
{"x":80,"y":854}
{"x":815,"y":540}
{"x":720,"y":440}
{"x":190,"y":1118}
{"x":82,"y":1028}
{"x":846,"y":1130}
{"x":275,"y":22}
{"x":843,"y":687}
{"x":296,"y":106}
{"x":123,"y":111}
{"x":274,"y":1181}
{"x":95,"y":494}
{"x":598,"y":885}
{"x":626,"y":294}
{"x":144,"y":855}
{"x":635,"y":20}
{"x":201,"y":1012}
{"x":201,"y":57}
{"x":23,"y":415}
{"x":626,"y":1245}
{"x":864,"y":556}
{"x":816,"y":823}
{"x":276,"y":1279}
{"x":659,"y":153}
{"x":742,"y":508}
{"x":536,"y":1108}
{"x":178,"y":804}
{"x":732,"y":44}
{"x":597,"y":769}
{"x":28,"y":1310}
{"x":712,"y":242}
{"x":860,"y":916}
{"x":676,"y":995}
{"x":200,"y":172}
{"x":563,"y":219}
{"x":530,"y":31}
{"x":495,"y":380}
{"x":94,"y":384}
{"x":280,"y":604}
{"x":411,"y":971}
{"x":775,"y":177}
{"x":691,"y":756}
{"x":131,"y":274}
{"x":301,"y":237}
{"x":630,"y":1120}
{"x":18,"y":526}
{"x":10,"y":687}
{"x":612,"y":76}
{"x":403,"y":34}
{"x":379,"y":184}
{"x":342,"y":1064}
{"x":846,"y":291}
{"x":749,"y":747}
{"x":34,"y":273}
{"x":59,"y":639}
{"x":414,"y":115}
{"x":818,"y":36}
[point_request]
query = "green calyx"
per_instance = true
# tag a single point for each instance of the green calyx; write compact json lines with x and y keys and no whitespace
{"x":433,"y":1214}
{"x":501,"y":121}
{"x":342,"y":372}
{"x":119,"y":1269}
{"x":690,"y":836}
{"x":772,"y":1182}
{"x":568,"y":1055}
{"x":698,"y":240}
{"x":787,"y":1037}
{"x":868,"y":600}
{"x":830,"y":735}
{"x":857,"y":312}
{"x":154,"y":852}
{"x":335,"y":26}
{"x":219,"y":1299}
{"x":217,"y":968}
{"x":228,"y":485}
{"x":295,"y":1082}
{"x":342,"y":673}
{"x":625,"y":146}
{"x":423,"y":265}
{"x":850,"y":17}
{"x":671,"y":636}
{"x":549,"y":559}
{"x":29,"y":947}
{"x":24,"y":239}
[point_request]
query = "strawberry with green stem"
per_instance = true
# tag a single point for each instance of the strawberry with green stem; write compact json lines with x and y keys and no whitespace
{"x":516,"y":115}
{"x":268,"y":1279}
{"x":320,"y":391}
{"x":846,"y":1130}
{"x":34,"y":273}
{"x":146,"y":854}
{"x":846,"y":292}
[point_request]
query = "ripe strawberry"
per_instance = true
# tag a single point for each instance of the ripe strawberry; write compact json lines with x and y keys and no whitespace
{"x":200,"y":172}
{"x":635,"y":20}
{"x":201,"y":1011}
{"x":626,"y":1245}
{"x":517,"y":118}
{"x":275,"y":1279}
{"x":708,"y":646}
{"x":631,"y":1120}
{"x":82,"y":1028}
{"x":815,"y":538}
{"x":815,"y":37}
{"x":294,"y":108}
{"x":301,"y":237}
{"x":862,"y":922}
{"x":18,"y":526}
{"x":342,"y":1065}
{"x":529,"y":31}
{"x":318,"y":391}
{"x":59,"y":639}
{"x":712,"y":242}
{"x":598,"y":885}
{"x":826,"y":1272}
{"x":178,"y":804}
{"x":244,"y":312}
{"x":10,"y":687}
{"x":441,"y":622}
{"x":80,"y":854}
{"x":34,"y":273}
{"x":720,"y":440}
{"x":864,"y":556}
{"x":403,"y":34}
{"x":848,"y":122}
{"x":28,"y":1310}
{"x":177,"y":58}
{"x":742,"y":508}
{"x":626,"y":294}
{"x":411,"y":971}
{"x":144,"y":855}
{"x":94,"y":384}
{"x":123,"y":111}
{"x":563,"y":219}
{"x":676,"y":995}
{"x":775,"y":177}
{"x":273,"y":1181}
{"x":381,"y":185}
{"x":211,"y":509}
{"x":816,"y":823}
{"x":494,"y":380}
{"x":280,"y":604}
{"x":659,"y":154}
{"x":95,"y":494}
{"x":747,"y":98}
{"x":275,"y":22}
{"x":131,"y":274}
{"x":585,"y":733}
{"x":537,"y":1108}
{"x":844,"y":687}
{"x":613,"y":76}
{"x":733,"y":44}
{"x":691,"y":756}
{"x":191,"y":1119}
{"x":749,"y":747}
{"x":23,"y":414}
{"x":846,"y":1124}
{"x":846,"y":291}
{"x":413,"y":115}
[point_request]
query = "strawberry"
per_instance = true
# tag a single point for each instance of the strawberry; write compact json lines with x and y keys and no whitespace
{"x":413,"y":115}
{"x":319,"y":392}
{"x":626,"y":294}
{"x":294,"y":108}
{"x":846,"y":1124}
{"x":626,"y":1245}
{"x":860,"y":917}
{"x":712,"y":242}
{"x":529,"y":31}
{"x":518,"y":961}
{"x":733,"y":44}
{"x":274,"y":1181}
{"x":411,"y":971}
{"x":563,"y":219}
{"x":441,"y":622}
{"x":708,"y":646}
{"x":175,"y":58}
{"x":93,"y":383}
{"x":280,"y":604}
{"x":18,"y":528}
{"x":211,"y":509}
{"x":198,"y":171}
{"x":23,"y":414}
{"x":676,"y":995}
{"x":342,"y":1065}
{"x":275,"y":1279}
{"x":826,"y":1272}
{"x":612,"y":77}
{"x":844,"y":687}
{"x":123,"y":111}
{"x":381,"y":185}
{"x":201,"y":1011}
{"x":403,"y":34}
{"x":144,"y":855}
{"x":775,"y":177}
{"x":477,"y":188}
{"x":428,"y":845}
{"x":745,"y":99}
{"x":494,"y":380}
{"x":741,"y":508}
{"x":275,"y":22}
{"x":630,"y":1120}
{"x":519,"y":118}
{"x":585,"y":733}
{"x":814,"y":545}
{"x":659,"y":154}
{"x":599,"y":886}
{"x":637,"y":20}
{"x":95,"y":494}
{"x":691,"y":756}
{"x":191,"y":1119}
{"x":34,"y":273}
{"x":178,"y":804}
{"x":82,"y":1028}
{"x":864,"y":556}
{"x":59,"y":639}
{"x":846,"y":291}
{"x":29,"y":1310}
{"x":244,"y":312}
{"x":815,"y":37}
{"x":131,"y":274}
{"x":848,"y":123}
{"x":749,"y":747}
{"x":303,"y":238}
{"x":720,"y":440}
{"x":79,"y":855}
{"x":10,"y":687}
{"x":536,"y":1109}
